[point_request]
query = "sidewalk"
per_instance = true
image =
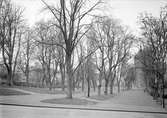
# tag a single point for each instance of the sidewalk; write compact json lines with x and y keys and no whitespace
{"x":133,"y":100}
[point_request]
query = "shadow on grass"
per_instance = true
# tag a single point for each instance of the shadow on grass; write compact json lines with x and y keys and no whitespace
{"x":102,"y":97}
{"x":9,"y":92}
{"x":66,"y":101}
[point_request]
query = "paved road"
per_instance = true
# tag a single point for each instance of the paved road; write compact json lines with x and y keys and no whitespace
{"x":28,"y":112}
{"x":133,"y":100}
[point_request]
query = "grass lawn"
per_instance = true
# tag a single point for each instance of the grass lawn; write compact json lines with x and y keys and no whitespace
{"x":45,"y":90}
{"x":8,"y":92}
{"x":102,"y":97}
{"x":65,"y":101}
{"x":42,"y":90}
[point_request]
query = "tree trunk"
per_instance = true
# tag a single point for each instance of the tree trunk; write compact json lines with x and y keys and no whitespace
{"x":88,"y":87}
{"x":62,"y":83}
{"x":27,"y":78}
{"x":94,"y":85}
{"x":43,"y":80}
{"x":62,"y":77}
{"x":111,"y":86}
{"x":73,"y":84}
{"x":99,"y":84}
{"x":49,"y":77}
{"x":99,"y":88}
{"x":69,"y":76}
{"x":163,"y":93}
{"x":10,"y":74}
{"x":10,"y":78}
{"x":27,"y":73}
{"x":118,"y":87}
{"x":82,"y":84}
{"x":106,"y":87}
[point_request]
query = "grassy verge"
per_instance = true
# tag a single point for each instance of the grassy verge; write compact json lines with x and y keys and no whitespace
{"x":9,"y":92}
{"x":102,"y":97}
{"x":65,"y":101}
{"x":42,"y":90}
{"x":46,"y":90}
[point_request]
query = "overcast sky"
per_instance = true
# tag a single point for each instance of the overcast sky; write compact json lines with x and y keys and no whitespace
{"x":126,"y":10}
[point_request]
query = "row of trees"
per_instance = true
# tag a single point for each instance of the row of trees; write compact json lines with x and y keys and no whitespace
{"x":154,"y":51}
{"x":113,"y":43}
{"x":11,"y":31}
{"x":81,"y":52}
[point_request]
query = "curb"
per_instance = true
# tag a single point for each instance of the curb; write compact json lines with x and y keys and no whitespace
{"x":84,"y":108}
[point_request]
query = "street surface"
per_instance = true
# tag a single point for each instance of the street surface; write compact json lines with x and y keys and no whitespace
{"x":27,"y":112}
{"x":124,"y":105}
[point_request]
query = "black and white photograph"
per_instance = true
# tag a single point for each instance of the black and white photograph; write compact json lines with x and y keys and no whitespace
{"x":83,"y":58}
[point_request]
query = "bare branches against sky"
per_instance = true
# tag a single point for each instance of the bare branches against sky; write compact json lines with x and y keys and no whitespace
{"x":126,"y":10}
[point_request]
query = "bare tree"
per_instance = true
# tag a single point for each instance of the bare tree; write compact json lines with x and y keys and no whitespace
{"x":90,"y":68}
{"x":61,"y":61}
{"x":80,"y":72}
{"x":45,"y":52}
{"x":98,"y":39}
{"x":154,"y":31}
{"x":69,"y":16}
{"x":129,"y":76}
{"x":123,"y":53}
{"x":26,"y":53}
{"x":113,"y":42}
{"x":10,"y":34}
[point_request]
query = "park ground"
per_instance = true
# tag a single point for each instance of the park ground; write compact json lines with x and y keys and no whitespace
{"x":32,"y":103}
